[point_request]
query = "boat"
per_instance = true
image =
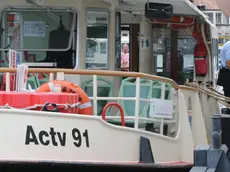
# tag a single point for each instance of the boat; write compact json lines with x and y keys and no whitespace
{"x":157,"y":116}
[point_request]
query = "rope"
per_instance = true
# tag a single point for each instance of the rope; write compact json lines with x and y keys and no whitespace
{"x":211,"y":92}
{"x":41,"y":105}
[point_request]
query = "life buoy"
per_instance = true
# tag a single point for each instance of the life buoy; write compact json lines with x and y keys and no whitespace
{"x":69,"y":87}
{"x":200,"y":52}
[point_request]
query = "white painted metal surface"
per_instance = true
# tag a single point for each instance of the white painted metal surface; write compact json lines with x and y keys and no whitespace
{"x":125,"y":142}
{"x":53,"y":136}
{"x":106,"y":142}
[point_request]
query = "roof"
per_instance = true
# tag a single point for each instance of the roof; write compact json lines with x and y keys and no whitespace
{"x":211,"y":4}
{"x":184,"y":7}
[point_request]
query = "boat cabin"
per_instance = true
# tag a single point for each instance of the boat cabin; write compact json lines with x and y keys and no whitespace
{"x":166,"y":41}
{"x":91,"y":34}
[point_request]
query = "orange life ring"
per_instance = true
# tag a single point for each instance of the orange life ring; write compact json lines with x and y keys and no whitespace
{"x":69,"y":87}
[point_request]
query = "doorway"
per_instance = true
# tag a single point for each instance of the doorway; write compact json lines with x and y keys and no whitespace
{"x":130,"y":47}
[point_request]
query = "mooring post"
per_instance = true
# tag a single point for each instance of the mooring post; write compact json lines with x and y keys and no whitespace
{"x":212,"y":158}
{"x":216,"y":135}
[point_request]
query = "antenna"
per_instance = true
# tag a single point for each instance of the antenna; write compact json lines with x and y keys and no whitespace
{"x":32,"y":2}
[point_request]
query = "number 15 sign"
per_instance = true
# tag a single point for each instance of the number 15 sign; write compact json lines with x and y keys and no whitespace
{"x":160,"y":108}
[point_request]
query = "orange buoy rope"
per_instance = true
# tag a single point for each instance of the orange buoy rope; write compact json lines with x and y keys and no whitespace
{"x":69,"y":87}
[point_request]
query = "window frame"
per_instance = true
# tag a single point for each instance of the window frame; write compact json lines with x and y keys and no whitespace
{"x":221,"y":18}
{"x":4,"y":35}
{"x":19,"y":9}
{"x":210,"y":13}
{"x":118,"y":44}
{"x":108,"y":36}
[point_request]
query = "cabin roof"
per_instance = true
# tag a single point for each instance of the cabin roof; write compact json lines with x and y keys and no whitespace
{"x":180,"y":7}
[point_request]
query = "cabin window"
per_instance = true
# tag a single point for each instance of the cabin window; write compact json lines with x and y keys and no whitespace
{"x":103,"y":48}
{"x":159,"y":53}
{"x":185,"y":48}
{"x":125,"y":47}
{"x":10,"y":33}
{"x":97,"y":43}
{"x":215,"y":54}
{"x":118,"y":40}
{"x":40,"y":36}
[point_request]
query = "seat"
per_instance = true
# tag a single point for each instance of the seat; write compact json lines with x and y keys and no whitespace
{"x":43,"y":80}
{"x":128,"y":89}
{"x":32,"y":81}
{"x":156,"y":92}
{"x":104,"y":89}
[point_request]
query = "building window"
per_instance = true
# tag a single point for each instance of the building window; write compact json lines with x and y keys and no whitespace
{"x":97,"y":43}
{"x":218,"y":18}
{"x":210,"y":17}
{"x":225,"y":19}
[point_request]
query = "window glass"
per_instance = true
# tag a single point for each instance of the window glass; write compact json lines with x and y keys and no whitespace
{"x":97,"y":40}
{"x":226,"y":19}
{"x":125,"y":48}
{"x":218,"y":18}
{"x":159,"y":53}
{"x":210,"y":17}
{"x":185,"y":56}
{"x":13,"y":29}
{"x":40,"y":36}
{"x":103,"y":48}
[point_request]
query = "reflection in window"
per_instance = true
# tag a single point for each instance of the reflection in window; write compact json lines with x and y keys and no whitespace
{"x":41,"y":33}
{"x":185,"y":57}
{"x":159,"y":63}
{"x":160,"y":54}
{"x":13,"y":30}
{"x":11,"y":34}
{"x":215,"y":53}
{"x":97,"y":39}
{"x":103,"y":48}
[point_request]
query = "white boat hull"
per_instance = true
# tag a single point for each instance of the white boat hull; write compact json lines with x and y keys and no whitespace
{"x":41,"y":136}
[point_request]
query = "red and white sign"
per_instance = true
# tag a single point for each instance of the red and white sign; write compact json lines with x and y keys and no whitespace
{"x":15,"y":58}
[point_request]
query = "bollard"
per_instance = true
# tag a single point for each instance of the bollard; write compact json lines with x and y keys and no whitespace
{"x":216,"y":136}
{"x":212,"y":158}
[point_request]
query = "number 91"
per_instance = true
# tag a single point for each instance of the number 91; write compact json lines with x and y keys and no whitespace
{"x":78,"y":137}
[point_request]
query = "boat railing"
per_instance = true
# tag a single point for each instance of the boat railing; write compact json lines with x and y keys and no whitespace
{"x":60,"y":75}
